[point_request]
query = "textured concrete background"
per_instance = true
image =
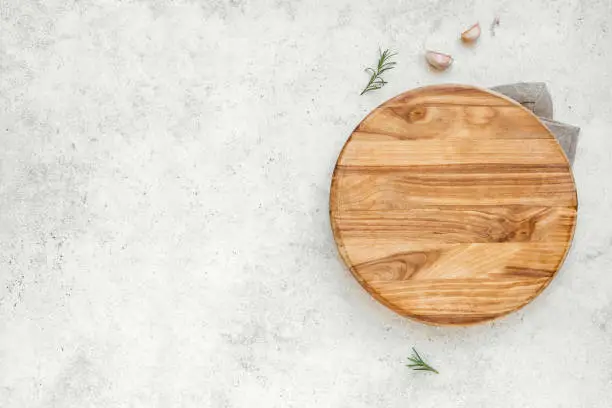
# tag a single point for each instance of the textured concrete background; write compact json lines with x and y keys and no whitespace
{"x":164,"y":179}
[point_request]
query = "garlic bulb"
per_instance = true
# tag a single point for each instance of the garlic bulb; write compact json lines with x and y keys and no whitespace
{"x":438,"y":60}
{"x":471,"y":34}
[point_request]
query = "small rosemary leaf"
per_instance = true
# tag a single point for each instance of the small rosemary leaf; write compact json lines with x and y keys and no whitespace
{"x":418,"y":364}
{"x":384,"y":64}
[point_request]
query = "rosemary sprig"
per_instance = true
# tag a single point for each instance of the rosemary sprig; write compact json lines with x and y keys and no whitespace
{"x":384,"y":64}
{"x":418,"y":364}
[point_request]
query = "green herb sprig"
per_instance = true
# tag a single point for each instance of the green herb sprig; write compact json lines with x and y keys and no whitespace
{"x":384,"y":64}
{"x":418,"y":364}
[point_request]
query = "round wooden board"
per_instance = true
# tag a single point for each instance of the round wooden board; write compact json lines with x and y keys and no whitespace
{"x":452,"y":205}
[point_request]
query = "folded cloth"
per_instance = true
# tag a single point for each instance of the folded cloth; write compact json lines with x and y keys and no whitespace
{"x":536,"y":97}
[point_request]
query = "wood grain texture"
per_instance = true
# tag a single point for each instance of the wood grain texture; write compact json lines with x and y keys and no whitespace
{"x":452,"y":205}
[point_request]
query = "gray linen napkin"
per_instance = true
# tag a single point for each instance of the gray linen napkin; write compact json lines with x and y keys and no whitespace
{"x":535,"y":97}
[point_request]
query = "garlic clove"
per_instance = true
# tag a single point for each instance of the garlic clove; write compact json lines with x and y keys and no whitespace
{"x":471,"y":34}
{"x":438,"y":60}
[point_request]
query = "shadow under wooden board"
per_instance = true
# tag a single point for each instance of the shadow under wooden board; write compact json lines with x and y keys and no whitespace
{"x":452,"y":205}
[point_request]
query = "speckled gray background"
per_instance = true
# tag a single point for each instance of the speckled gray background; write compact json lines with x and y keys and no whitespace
{"x":164,"y":179}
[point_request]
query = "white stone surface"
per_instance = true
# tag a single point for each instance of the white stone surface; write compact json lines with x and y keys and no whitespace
{"x":164,"y":180}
